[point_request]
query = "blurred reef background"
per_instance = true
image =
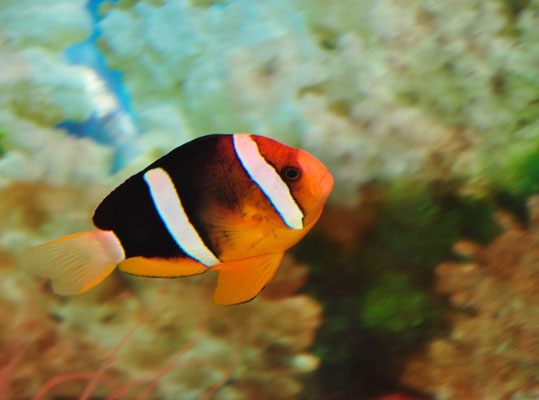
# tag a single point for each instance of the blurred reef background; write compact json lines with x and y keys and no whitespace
{"x":420,"y":280}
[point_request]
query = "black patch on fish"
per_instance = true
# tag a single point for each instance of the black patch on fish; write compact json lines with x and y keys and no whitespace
{"x":129,"y":210}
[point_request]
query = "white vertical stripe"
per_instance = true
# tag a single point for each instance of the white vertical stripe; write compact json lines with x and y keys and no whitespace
{"x":170,"y":209}
{"x":269,"y":181}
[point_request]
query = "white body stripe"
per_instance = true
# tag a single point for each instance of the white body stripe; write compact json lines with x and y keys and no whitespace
{"x":269,"y":181}
{"x":170,"y":209}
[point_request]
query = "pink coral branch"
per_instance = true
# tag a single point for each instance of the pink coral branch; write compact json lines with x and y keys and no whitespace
{"x":174,"y":359}
{"x":70,"y":376}
{"x":168,"y":367}
{"x":99,"y":373}
{"x":6,"y":373}
{"x":119,"y":392}
{"x":228,"y":372}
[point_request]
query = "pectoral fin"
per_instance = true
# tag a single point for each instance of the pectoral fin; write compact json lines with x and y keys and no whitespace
{"x":237,"y":232}
{"x":162,"y":267}
{"x":241,"y":281}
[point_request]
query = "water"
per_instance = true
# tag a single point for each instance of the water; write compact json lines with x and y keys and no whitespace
{"x":418,"y":282}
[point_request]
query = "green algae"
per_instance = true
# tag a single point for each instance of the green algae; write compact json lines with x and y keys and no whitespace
{"x":2,"y":144}
{"x":523,"y":173}
{"x":393,"y":304}
{"x":515,"y":180}
{"x":514,"y":7}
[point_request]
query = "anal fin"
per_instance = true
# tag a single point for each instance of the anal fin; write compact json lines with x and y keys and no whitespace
{"x":241,"y":281}
{"x":162,"y":267}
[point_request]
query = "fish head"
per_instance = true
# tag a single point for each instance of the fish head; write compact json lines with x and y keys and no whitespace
{"x":308,"y":179}
{"x":312,"y":188}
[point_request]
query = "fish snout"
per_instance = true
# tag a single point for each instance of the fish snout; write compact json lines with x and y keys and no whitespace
{"x":326,"y":184}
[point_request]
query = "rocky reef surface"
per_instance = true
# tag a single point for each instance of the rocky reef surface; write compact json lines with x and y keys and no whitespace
{"x":155,"y":339}
{"x":137,"y":336}
{"x":492,"y":351}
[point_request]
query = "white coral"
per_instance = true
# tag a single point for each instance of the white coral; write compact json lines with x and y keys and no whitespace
{"x":50,"y":24}
{"x":230,"y":68}
{"x":376,"y":89}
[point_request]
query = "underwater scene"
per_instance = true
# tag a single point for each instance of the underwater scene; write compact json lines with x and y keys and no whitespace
{"x":420,"y":278}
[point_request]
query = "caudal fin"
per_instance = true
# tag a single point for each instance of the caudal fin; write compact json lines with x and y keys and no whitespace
{"x":78,"y":262}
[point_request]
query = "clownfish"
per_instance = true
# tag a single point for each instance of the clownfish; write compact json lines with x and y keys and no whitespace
{"x":231,"y":203}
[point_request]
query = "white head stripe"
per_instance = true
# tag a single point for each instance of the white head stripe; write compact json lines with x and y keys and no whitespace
{"x":269,"y":181}
{"x":170,"y":209}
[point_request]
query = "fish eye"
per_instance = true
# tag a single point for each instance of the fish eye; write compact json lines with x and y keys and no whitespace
{"x":290,"y":173}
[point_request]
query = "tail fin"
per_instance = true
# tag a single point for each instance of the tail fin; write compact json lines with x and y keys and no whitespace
{"x":78,"y":262}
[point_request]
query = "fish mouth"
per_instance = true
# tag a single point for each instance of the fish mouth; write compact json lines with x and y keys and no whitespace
{"x":326,"y":183}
